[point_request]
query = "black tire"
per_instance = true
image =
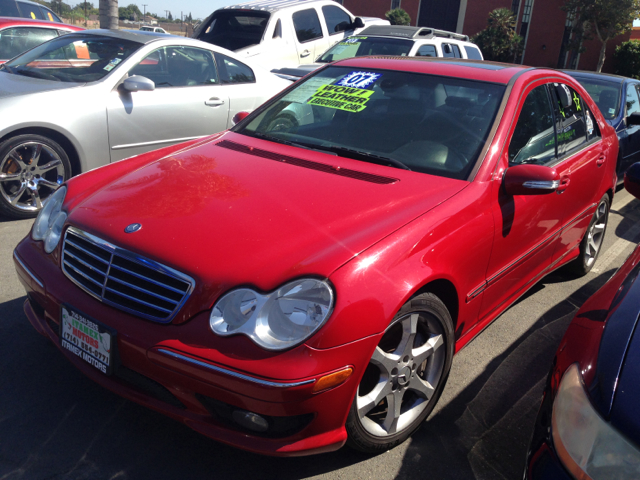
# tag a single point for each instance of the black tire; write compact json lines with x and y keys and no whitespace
{"x":29,"y":168}
{"x":413,"y":375}
{"x":591,"y":243}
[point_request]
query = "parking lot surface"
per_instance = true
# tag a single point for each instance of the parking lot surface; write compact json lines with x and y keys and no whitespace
{"x":56,"y":423}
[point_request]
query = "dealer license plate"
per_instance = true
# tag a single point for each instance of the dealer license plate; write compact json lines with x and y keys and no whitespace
{"x":86,"y":338}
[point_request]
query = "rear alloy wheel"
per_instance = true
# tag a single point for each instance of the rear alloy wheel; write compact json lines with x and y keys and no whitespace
{"x":30,"y":166}
{"x":592,"y":242}
{"x":404,"y":378}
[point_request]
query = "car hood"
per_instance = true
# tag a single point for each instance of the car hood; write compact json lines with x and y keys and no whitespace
{"x":240,"y":213}
{"x":615,"y":390}
{"x":12,"y":85}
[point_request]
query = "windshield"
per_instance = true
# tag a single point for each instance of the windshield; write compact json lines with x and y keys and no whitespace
{"x":235,"y":29}
{"x":361,"y":46}
{"x":426,"y":123}
{"x":73,"y":58}
{"x":605,"y":93}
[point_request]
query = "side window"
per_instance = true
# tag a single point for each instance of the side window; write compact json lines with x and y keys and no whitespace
{"x":472,"y":53}
{"x":632,"y":101}
{"x":49,"y":15}
{"x":277,"y":31}
{"x":534,"y":139}
{"x":14,"y":41}
{"x":233,"y":71}
{"x":8,"y":8}
{"x":336,"y":18}
{"x":427,"y":51}
{"x":570,"y":119}
{"x":307,"y":25}
{"x":30,"y":11}
{"x":450,"y":50}
{"x":178,"y":67}
{"x":593,"y":131}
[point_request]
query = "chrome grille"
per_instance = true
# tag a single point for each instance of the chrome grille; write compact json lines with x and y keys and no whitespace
{"x":122,"y":279}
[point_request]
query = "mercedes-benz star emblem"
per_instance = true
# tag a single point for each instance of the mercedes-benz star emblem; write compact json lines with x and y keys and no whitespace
{"x":134,"y":227}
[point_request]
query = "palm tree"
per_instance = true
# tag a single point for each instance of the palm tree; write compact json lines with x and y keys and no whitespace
{"x":109,"y":14}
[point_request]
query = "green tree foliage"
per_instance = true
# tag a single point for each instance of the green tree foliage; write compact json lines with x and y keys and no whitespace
{"x":398,"y":16}
{"x":130,"y":12}
{"x":602,"y":19}
{"x":627,"y":59}
{"x":499,"y":41}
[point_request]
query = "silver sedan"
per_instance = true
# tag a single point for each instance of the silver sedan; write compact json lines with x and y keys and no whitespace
{"x":91,"y":98}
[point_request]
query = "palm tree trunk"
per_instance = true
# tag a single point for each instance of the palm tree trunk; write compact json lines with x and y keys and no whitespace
{"x":603,"y":50}
{"x":109,"y":14}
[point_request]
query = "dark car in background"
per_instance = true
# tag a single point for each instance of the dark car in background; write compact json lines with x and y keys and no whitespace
{"x":588,"y":426}
{"x":618,"y":98}
{"x":17,"y":35}
{"x":27,"y":9}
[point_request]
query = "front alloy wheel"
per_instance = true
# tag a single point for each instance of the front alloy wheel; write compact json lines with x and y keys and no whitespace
{"x":404,"y":378}
{"x":29,"y":169}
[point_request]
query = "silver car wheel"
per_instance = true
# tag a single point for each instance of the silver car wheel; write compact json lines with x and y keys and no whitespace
{"x":409,"y":365}
{"x":595,"y":234}
{"x":28,"y":174}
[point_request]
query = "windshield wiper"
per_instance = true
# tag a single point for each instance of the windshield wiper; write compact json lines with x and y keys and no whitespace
{"x":366,"y":156}
{"x":7,"y":68}
{"x":36,"y":74}
{"x":306,"y":146}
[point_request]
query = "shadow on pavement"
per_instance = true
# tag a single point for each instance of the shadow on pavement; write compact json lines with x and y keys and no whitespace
{"x":484,"y":432}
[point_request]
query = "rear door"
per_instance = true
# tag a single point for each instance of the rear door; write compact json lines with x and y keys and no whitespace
{"x":631,"y":149}
{"x":189,"y":101}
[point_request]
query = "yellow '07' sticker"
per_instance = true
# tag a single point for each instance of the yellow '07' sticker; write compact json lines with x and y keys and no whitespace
{"x":341,"y":98}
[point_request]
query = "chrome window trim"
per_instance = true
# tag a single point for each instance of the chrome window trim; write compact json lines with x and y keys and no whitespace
{"x":264,"y":383}
{"x":128,"y":255}
{"x":26,"y":269}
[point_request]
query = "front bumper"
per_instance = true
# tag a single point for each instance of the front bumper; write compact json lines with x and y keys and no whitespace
{"x":191,"y":375}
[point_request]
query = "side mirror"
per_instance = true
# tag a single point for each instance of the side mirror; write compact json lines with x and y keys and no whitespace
{"x":358,"y":23}
{"x":633,"y":119}
{"x":632,"y":180}
{"x":530,"y":180}
{"x":138,"y":83}
{"x":238,"y":117}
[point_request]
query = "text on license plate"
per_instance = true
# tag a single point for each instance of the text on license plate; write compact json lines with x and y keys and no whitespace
{"x":86,"y":339}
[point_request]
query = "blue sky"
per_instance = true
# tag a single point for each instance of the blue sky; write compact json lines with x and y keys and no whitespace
{"x":198,"y":8}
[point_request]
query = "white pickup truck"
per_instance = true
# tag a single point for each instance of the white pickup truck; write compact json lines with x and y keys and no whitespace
{"x":281,"y":33}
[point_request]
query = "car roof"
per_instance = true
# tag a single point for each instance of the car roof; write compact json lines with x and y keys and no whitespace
{"x":415,"y":33}
{"x":608,"y":76}
{"x":270,"y":5}
{"x":18,"y":21}
{"x":139,"y":36}
{"x":451,"y":67}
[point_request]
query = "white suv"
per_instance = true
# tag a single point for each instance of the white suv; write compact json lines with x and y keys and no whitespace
{"x":281,"y":33}
{"x":395,"y":40}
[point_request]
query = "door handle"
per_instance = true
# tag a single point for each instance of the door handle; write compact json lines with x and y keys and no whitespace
{"x":564,"y":183}
{"x":601,"y":160}
{"x":214,"y":102}
{"x":306,"y":53}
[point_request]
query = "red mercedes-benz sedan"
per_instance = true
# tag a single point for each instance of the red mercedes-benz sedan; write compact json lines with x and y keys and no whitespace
{"x":304,"y":279}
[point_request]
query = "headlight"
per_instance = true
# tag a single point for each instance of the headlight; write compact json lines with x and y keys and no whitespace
{"x":50,"y":220}
{"x":588,"y":446}
{"x":276,"y":320}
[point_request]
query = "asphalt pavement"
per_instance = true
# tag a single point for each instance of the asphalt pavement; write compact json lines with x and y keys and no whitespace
{"x":57,"y":424}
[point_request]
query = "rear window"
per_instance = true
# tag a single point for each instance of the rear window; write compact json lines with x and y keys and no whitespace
{"x":234,"y":29}
{"x":473,"y":53}
{"x":361,"y":46}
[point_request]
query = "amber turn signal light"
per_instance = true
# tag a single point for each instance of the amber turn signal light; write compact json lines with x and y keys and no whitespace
{"x":332,"y":380}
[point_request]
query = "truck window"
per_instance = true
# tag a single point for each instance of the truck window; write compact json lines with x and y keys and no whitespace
{"x":307,"y":25}
{"x":336,"y":18}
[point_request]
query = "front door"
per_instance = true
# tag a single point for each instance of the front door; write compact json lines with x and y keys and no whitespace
{"x":527,"y":226}
{"x":189,"y":101}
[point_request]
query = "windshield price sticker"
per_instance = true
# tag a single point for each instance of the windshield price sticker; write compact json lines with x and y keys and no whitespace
{"x":352,"y":41}
{"x":359,"y":79}
{"x":341,"y":98}
{"x":86,"y":339}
